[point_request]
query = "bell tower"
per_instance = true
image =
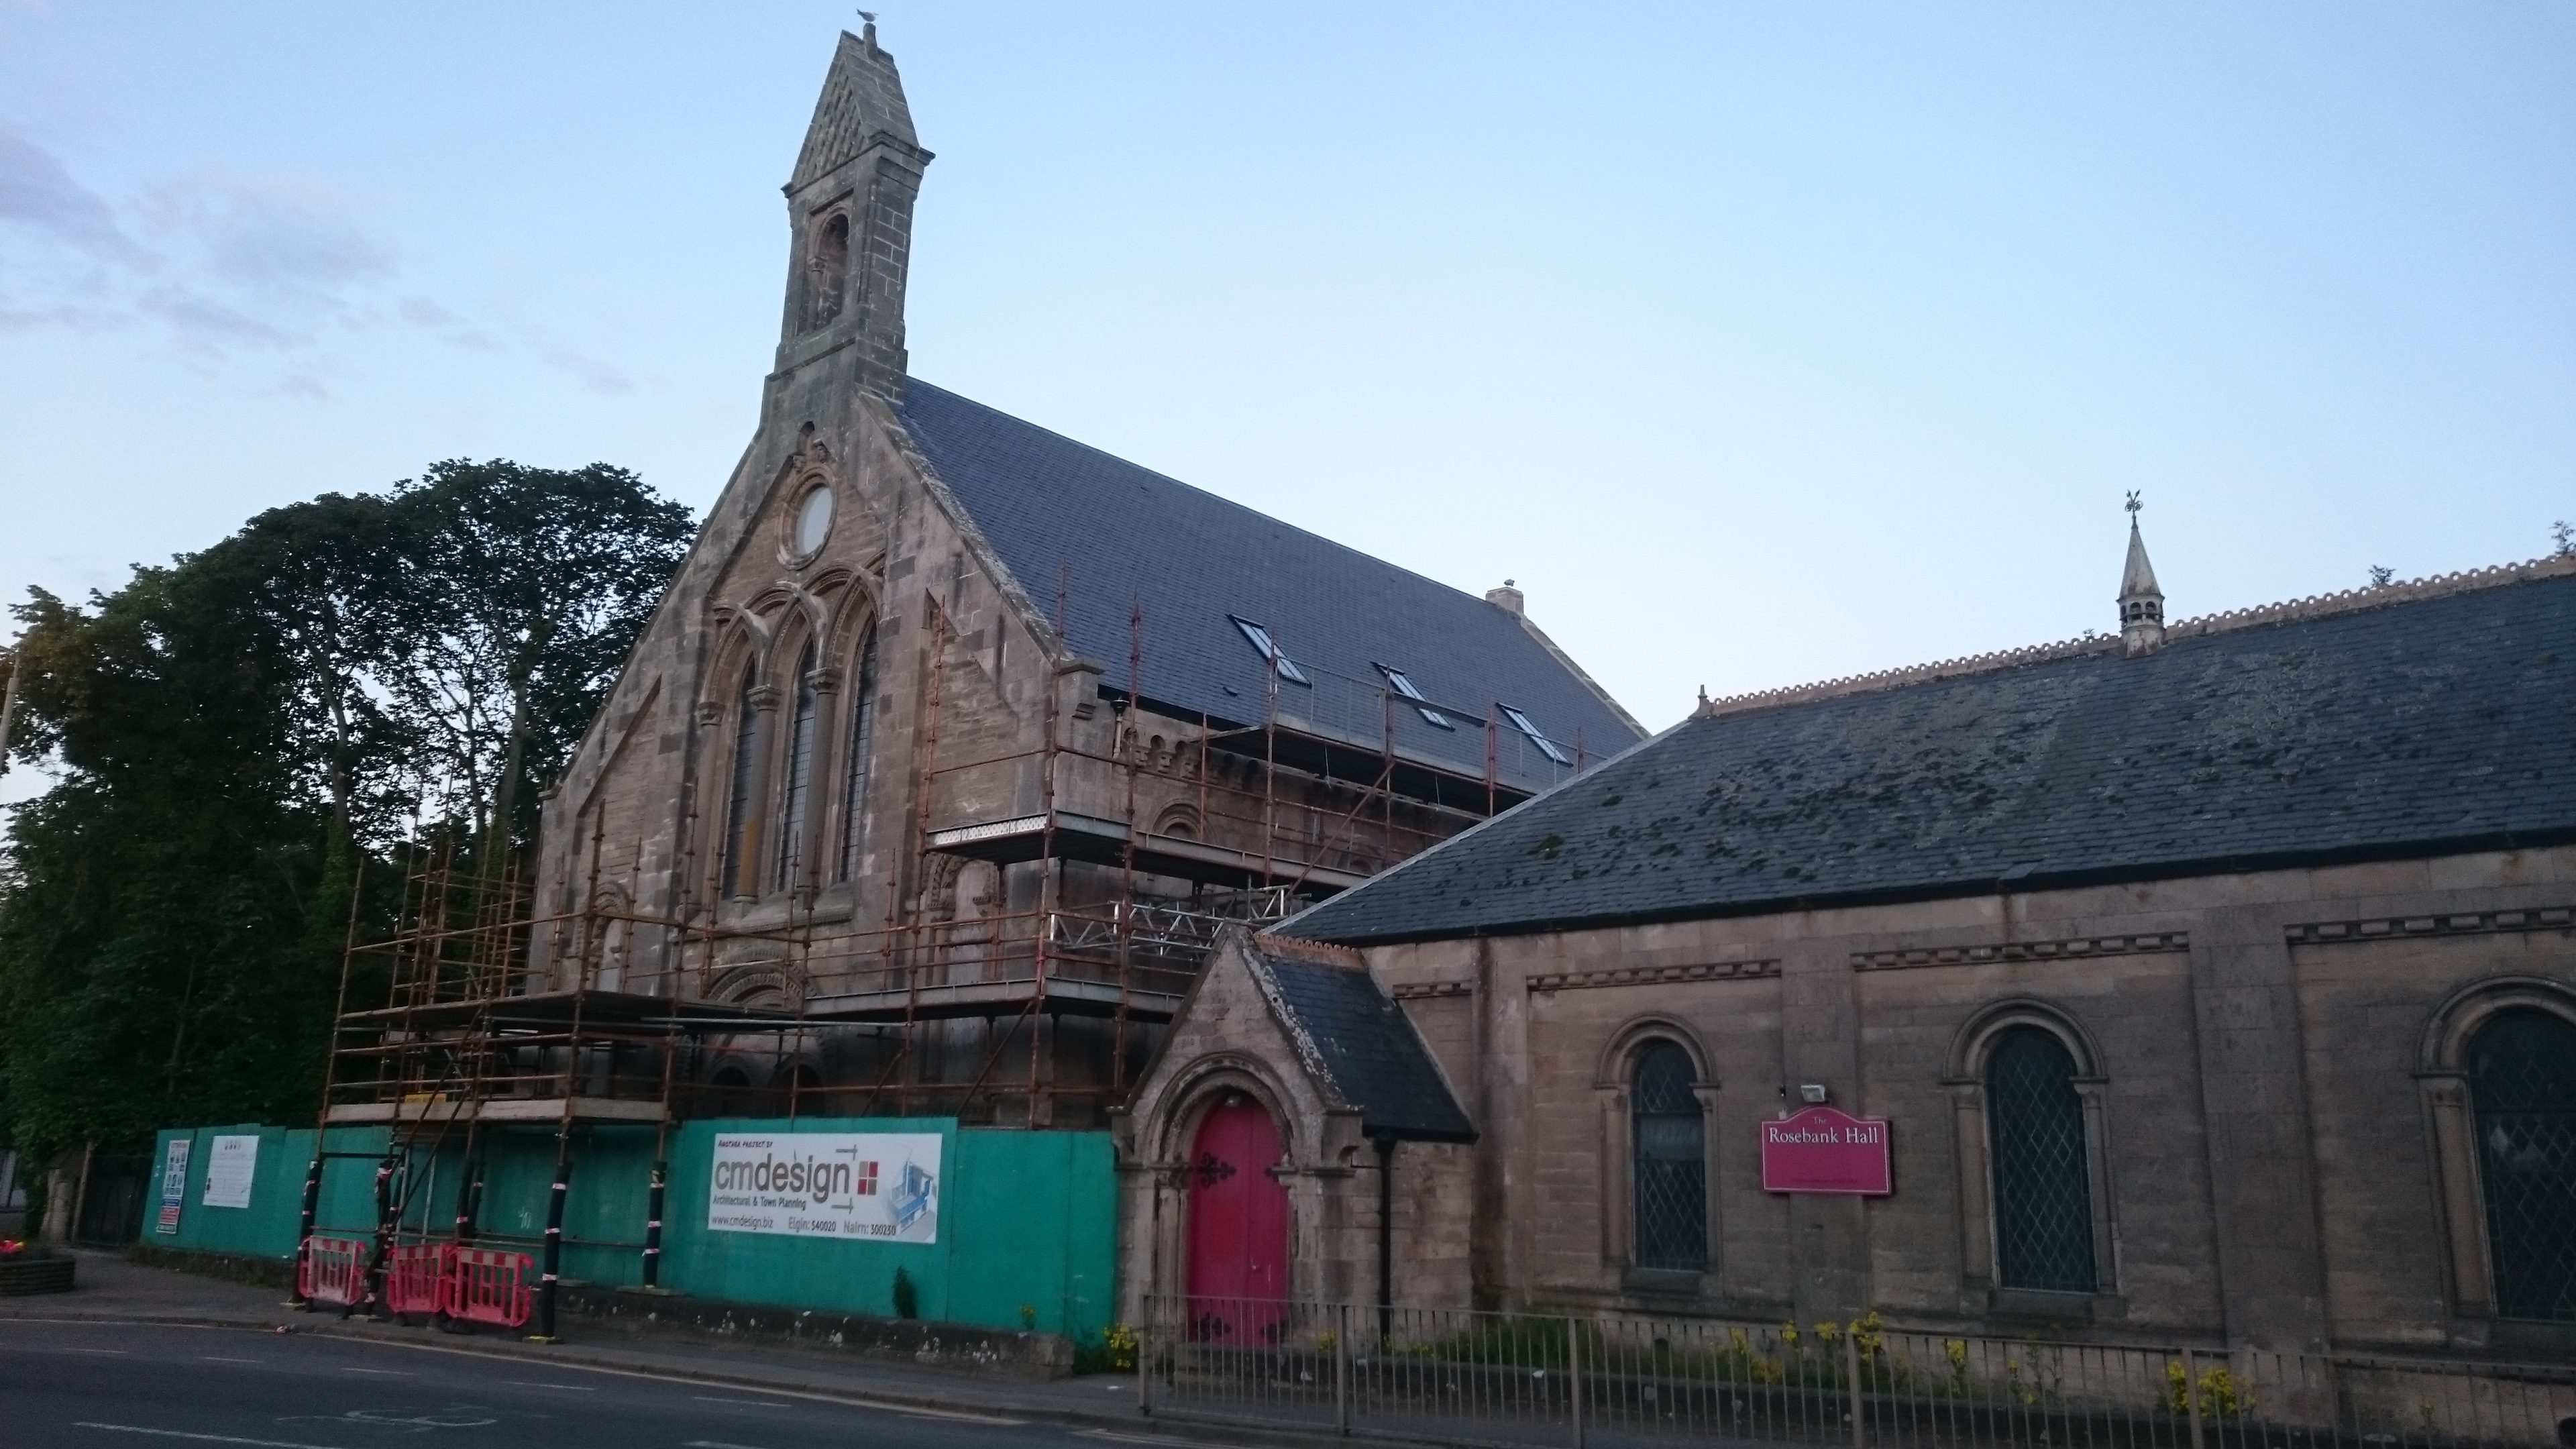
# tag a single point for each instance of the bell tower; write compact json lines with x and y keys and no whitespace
{"x":849,"y":211}
{"x":2142,"y":603}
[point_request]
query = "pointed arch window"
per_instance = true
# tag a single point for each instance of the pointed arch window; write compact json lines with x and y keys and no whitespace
{"x":854,"y":793}
{"x":2043,"y":1192}
{"x":1670,"y":1161}
{"x":796,"y":783}
{"x":2522,"y":1086}
{"x":742,"y":818}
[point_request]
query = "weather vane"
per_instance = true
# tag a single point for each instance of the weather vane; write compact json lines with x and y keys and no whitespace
{"x":2134,"y":504}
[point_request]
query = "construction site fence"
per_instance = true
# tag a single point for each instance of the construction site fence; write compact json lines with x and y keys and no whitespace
{"x":1026,"y":1221}
{"x":1549,"y":1380}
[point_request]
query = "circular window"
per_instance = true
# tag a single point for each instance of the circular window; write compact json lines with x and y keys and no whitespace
{"x":813,"y":520}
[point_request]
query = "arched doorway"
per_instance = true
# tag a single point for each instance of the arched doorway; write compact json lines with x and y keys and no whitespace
{"x":1238,"y":1226}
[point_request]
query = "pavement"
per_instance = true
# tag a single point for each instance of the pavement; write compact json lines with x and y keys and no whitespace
{"x":113,"y":1291}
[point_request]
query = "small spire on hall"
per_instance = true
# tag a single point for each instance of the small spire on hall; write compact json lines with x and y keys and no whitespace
{"x":2142,"y":603}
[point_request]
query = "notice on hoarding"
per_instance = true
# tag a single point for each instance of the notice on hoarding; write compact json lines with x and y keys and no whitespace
{"x":880,"y":1187}
{"x":1823,"y":1150}
{"x":174,"y":1187}
{"x":229,"y":1170}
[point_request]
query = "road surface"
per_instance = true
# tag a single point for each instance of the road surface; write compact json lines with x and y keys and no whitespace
{"x":117,"y":1386}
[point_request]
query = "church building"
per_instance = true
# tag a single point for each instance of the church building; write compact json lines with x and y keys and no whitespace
{"x":954,"y":741}
{"x":2200,"y":982}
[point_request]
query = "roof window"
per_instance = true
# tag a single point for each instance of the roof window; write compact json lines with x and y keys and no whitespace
{"x":1404,"y":686}
{"x":1269,"y":652}
{"x":1545,"y":745}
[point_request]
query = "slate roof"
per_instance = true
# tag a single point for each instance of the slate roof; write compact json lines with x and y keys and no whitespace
{"x":2427,"y":725}
{"x":1365,"y":1047}
{"x":1117,"y":532}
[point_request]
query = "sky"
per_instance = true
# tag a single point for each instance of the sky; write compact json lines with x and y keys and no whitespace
{"x":1760,"y":344}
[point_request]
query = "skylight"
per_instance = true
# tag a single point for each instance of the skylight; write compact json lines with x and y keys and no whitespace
{"x":1269,"y":652}
{"x":1545,"y":745}
{"x":1404,"y":686}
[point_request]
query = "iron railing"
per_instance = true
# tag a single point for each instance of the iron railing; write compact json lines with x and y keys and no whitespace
{"x":1502,"y":1378}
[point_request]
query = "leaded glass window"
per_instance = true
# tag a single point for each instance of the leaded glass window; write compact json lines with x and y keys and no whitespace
{"x":796,"y":786}
{"x":1671,"y":1162}
{"x":2042,"y":1181}
{"x":2522,"y":1081}
{"x":863,"y":717}
{"x":742,"y":821}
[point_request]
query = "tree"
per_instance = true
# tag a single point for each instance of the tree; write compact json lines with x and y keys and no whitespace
{"x":532,"y":585}
{"x":245,"y":734}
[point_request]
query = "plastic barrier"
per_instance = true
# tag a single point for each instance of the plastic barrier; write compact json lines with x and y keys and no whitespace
{"x":332,"y":1270}
{"x":416,"y":1277}
{"x":487,"y":1285}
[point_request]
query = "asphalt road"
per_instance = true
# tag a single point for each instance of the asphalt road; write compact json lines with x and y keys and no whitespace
{"x":115,"y":1386}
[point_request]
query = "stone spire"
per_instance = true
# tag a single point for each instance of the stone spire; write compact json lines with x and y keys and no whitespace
{"x":850,"y":205}
{"x":2142,"y":603}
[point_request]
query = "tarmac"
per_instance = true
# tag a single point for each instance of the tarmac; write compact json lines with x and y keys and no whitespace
{"x":112,"y":1290}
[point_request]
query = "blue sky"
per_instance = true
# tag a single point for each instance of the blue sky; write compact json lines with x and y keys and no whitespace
{"x":1760,"y":343}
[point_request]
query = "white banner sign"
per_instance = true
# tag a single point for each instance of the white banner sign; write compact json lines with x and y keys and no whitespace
{"x":864,"y":1187}
{"x":229,"y":1169}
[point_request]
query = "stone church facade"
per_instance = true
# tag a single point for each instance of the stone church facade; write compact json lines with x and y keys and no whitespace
{"x":2217,"y":983}
{"x":954,"y":741}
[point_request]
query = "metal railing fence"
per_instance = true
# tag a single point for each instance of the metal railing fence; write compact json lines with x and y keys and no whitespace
{"x":1616,"y":1380}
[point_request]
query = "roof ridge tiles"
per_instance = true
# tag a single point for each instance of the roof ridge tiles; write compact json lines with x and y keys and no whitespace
{"x":2313,"y":606}
{"x":1317,"y":953}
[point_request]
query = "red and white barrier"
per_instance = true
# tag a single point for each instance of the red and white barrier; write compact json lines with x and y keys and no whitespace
{"x":479,"y":1285}
{"x":488,"y":1285}
{"x":416,"y":1277}
{"x":333,"y":1270}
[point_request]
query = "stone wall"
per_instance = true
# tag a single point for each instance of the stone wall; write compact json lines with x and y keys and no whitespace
{"x":2260,"y":1053}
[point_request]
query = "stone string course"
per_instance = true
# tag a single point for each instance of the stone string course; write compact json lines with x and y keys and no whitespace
{"x":2547,"y":918}
{"x":1652,"y":975}
{"x":2081,"y":947}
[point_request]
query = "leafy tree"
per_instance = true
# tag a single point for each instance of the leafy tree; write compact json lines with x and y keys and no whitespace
{"x":532,"y":586}
{"x":245,"y":735}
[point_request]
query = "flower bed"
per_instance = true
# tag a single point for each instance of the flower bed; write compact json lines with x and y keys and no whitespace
{"x":25,"y":1268}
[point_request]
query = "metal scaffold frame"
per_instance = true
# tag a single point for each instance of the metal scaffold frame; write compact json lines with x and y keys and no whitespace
{"x":455,"y":1025}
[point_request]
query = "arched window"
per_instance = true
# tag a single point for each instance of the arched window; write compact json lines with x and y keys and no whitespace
{"x":742,"y":818}
{"x":863,"y":716}
{"x":829,"y":270}
{"x":2043,"y":1194}
{"x":796,"y":785}
{"x":2522,"y":1085}
{"x":1669,"y":1160}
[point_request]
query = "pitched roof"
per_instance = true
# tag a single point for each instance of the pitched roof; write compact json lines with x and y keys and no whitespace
{"x":1361,"y":1043}
{"x":1113,"y":533}
{"x":2417,"y":720}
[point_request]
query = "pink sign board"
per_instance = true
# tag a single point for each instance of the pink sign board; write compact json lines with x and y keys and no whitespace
{"x":1824,"y":1150}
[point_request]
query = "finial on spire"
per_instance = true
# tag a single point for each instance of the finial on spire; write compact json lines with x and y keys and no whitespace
{"x":2142,"y":603}
{"x":868,"y":28}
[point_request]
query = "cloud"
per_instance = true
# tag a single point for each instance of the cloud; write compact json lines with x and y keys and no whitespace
{"x":269,"y":237}
{"x":251,"y":277}
{"x":37,"y":193}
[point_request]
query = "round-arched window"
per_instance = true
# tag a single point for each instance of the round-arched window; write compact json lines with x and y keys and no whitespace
{"x":813,"y":520}
{"x":2522,"y":1082}
{"x":1671,"y":1161}
{"x":2042,"y":1180}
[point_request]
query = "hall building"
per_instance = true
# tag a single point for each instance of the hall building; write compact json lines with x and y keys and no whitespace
{"x":2212,"y":981}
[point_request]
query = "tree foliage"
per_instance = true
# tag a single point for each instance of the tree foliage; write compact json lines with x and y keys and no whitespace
{"x":245,"y":736}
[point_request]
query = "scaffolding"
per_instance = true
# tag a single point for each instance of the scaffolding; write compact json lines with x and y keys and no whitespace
{"x":479,"y":1013}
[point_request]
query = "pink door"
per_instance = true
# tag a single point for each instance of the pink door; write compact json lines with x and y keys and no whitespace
{"x":1238,"y":1250}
